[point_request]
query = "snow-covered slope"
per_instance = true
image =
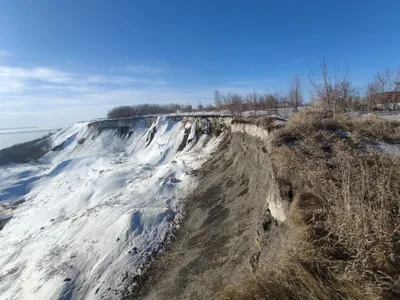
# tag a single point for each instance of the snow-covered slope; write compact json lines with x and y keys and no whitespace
{"x":95,"y":207}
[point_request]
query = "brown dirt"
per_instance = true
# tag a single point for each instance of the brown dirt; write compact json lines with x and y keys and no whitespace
{"x":218,"y":234}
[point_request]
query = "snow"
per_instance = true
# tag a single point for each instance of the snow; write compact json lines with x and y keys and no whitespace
{"x":385,"y":148}
{"x":390,"y":116}
{"x":96,"y":207}
{"x":279,"y":122}
{"x":63,"y":135}
{"x":343,"y":133}
{"x":389,"y":149}
{"x":192,"y":134}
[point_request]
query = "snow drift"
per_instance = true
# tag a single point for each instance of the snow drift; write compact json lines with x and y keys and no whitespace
{"x":95,"y":207}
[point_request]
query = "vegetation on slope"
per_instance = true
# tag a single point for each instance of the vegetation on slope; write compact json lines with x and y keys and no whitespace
{"x":25,"y":152}
{"x":341,"y":239}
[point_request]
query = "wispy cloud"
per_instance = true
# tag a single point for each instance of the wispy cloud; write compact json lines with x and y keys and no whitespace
{"x":47,"y":96}
{"x":144,"y":69}
{"x":121,"y":80}
{"x":17,"y":79}
{"x":40,"y":73}
{"x":50,"y":110}
{"x":10,"y":86}
{"x":4,"y":54}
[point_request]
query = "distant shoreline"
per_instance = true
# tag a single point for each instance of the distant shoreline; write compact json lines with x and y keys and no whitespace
{"x":29,"y":131}
{"x":15,"y":128}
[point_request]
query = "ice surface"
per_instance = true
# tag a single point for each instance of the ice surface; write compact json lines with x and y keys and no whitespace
{"x":95,"y":207}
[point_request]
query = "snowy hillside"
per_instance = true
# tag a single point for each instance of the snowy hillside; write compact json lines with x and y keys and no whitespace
{"x":96,"y":206}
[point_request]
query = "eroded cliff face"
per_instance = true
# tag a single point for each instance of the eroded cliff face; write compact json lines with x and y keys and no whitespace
{"x":109,"y":194}
{"x":277,"y":206}
{"x":97,"y":206}
{"x":230,"y":219}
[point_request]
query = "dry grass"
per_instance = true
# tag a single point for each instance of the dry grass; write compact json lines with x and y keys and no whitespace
{"x":377,"y":129}
{"x":368,"y":127}
{"x":265,"y":122}
{"x":341,"y":239}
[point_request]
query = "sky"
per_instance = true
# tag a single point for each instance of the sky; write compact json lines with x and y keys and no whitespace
{"x":67,"y":61}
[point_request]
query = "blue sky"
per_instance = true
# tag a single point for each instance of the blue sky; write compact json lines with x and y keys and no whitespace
{"x":64,"y":61}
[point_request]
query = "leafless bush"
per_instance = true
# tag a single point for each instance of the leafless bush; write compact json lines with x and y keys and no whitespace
{"x":271,"y":102}
{"x":295,"y":97}
{"x":253,"y":102}
{"x":382,"y":89}
{"x":335,"y":95}
{"x":234,"y":103}
{"x":217,"y":100}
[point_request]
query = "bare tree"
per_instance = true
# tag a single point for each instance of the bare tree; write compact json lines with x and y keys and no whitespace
{"x":321,"y":91}
{"x":335,"y":95}
{"x":217,"y":99}
{"x":227,"y":102}
{"x":271,"y":102}
{"x":380,"y":90}
{"x":397,"y":81}
{"x":187,"y":108}
{"x":237,"y":104}
{"x":234,"y":103}
{"x":345,"y":94}
{"x":295,"y":97}
{"x":210,"y":107}
{"x":253,"y":102}
{"x":261,"y":102}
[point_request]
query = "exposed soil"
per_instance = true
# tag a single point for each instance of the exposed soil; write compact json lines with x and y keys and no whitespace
{"x":217,"y":238}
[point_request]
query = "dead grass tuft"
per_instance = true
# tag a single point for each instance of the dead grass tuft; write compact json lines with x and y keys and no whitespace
{"x":377,"y":129}
{"x":265,"y":122}
{"x":341,"y":239}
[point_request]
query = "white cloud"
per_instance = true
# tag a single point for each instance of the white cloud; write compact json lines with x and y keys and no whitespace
{"x":17,"y":79}
{"x":50,"y":111}
{"x":145,"y":69}
{"x":10,"y":86}
{"x":68,"y":88}
{"x":4,"y":53}
{"x":48,"y":97}
{"x":44,"y":96}
{"x":121,"y":80}
{"x":42,"y":74}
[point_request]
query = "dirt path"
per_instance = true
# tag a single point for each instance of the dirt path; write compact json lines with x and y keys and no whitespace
{"x":217,"y":235}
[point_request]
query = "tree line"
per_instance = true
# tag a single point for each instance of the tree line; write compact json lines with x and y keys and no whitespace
{"x":329,"y":92}
{"x":146,"y":109}
{"x":336,"y":93}
{"x":272,"y":102}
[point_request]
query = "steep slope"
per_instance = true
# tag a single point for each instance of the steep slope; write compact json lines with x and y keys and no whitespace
{"x":227,"y":218}
{"x":308,"y":211}
{"x":96,"y":207}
